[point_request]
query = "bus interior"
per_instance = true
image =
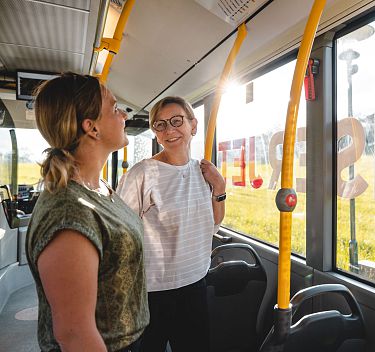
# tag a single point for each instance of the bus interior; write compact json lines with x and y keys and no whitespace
{"x":179,"y":48}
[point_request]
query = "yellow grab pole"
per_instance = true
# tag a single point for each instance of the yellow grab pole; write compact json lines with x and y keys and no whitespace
{"x":106,"y":67}
{"x":125,"y":159}
{"x":123,"y":20}
{"x":283,"y":293}
{"x":241,"y":34}
{"x":113,"y":44}
{"x":105,"y":171}
{"x":113,"y":47}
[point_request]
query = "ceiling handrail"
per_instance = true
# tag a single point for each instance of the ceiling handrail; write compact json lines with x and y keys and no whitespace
{"x":103,"y":12}
{"x":241,"y":34}
{"x":113,"y":44}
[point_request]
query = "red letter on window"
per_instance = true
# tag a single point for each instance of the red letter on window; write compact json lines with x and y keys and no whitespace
{"x":240,"y":162}
{"x":223,"y":147}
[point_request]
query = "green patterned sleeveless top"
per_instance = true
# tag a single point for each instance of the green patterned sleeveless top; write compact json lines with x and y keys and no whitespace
{"x":117,"y":233}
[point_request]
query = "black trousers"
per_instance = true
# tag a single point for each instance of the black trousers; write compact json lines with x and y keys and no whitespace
{"x":179,"y":316}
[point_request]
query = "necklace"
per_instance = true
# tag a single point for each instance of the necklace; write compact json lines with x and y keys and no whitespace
{"x":183,"y":169}
{"x":103,"y":190}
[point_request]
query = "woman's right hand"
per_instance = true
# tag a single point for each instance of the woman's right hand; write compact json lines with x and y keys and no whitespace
{"x":212,"y":175}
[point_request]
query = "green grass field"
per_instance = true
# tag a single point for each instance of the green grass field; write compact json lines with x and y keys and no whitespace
{"x":28,"y":173}
{"x":253,"y":212}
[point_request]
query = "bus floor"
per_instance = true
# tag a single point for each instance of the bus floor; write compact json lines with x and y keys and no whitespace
{"x":18,"y":322}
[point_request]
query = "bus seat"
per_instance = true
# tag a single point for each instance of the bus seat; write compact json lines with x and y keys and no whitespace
{"x":325,"y":331}
{"x":236,"y":283}
{"x":16,"y":215}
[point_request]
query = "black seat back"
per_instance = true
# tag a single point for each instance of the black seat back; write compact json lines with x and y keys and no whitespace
{"x":326,"y":331}
{"x":236,"y":285}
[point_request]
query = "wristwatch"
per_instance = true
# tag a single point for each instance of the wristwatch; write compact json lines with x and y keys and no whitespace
{"x":220,"y":197}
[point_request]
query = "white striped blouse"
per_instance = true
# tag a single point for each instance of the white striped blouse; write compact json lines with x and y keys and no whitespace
{"x":175,"y":205}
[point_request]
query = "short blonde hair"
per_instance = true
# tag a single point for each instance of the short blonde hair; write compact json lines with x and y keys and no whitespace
{"x":170,"y":100}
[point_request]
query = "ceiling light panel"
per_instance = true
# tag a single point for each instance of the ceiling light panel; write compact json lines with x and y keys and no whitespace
{"x":232,"y":11}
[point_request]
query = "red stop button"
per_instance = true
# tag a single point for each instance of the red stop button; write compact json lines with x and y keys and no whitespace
{"x":291,"y":200}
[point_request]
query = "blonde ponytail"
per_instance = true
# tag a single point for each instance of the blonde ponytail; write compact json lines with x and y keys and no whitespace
{"x":57,"y":169}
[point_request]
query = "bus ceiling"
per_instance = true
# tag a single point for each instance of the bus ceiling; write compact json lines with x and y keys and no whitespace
{"x":171,"y":47}
{"x":163,"y":54}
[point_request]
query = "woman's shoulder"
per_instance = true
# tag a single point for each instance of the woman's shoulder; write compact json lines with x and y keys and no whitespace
{"x":195,"y":165}
{"x":62,"y":198}
{"x":51,"y":207}
{"x":137,"y":173}
{"x":140,"y":167}
{"x":195,"y":162}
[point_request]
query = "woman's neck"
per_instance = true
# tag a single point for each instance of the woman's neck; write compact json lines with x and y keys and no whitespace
{"x":173,"y":158}
{"x":89,"y":167}
{"x":89,"y":181}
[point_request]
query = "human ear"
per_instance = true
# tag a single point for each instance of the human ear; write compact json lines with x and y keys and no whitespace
{"x":89,"y":128}
{"x":194,"y":126}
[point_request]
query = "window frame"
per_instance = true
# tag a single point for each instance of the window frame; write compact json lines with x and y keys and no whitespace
{"x":208,"y":100}
{"x":354,"y":24}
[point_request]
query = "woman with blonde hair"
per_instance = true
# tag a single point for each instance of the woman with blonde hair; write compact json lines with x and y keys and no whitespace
{"x":84,"y":245}
{"x":181,"y":202}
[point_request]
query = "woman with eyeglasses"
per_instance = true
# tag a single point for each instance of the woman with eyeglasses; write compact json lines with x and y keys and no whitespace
{"x":84,"y":245}
{"x":181,"y":202}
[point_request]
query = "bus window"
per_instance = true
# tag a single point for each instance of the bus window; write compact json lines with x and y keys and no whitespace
{"x":5,"y":156}
{"x":139,"y":148}
{"x":197,"y":144}
{"x":31,"y":145}
{"x":250,"y":128}
{"x":355,"y":247}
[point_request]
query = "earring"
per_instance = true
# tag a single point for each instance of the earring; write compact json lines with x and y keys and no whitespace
{"x":193,"y":134}
{"x":97,"y":135}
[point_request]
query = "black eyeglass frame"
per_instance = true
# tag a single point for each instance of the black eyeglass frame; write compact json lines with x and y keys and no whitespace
{"x":166,"y":121}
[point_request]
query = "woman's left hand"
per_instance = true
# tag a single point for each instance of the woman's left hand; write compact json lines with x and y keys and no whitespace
{"x":212,"y":176}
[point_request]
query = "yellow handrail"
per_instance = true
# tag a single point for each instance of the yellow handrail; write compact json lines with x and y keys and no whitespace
{"x":283,"y":291}
{"x":241,"y":34}
{"x":105,"y":171}
{"x":113,"y":44}
{"x":113,"y":47}
{"x":125,"y":159}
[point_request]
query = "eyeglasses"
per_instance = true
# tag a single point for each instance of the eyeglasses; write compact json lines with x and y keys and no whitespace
{"x":174,"y":121}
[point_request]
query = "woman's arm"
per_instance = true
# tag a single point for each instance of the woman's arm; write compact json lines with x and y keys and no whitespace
{"x":217,"y":183}
{"x":68,"y":268}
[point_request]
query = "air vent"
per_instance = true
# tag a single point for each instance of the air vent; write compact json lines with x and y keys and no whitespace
{"x":232,"y":11}
{"x":118,"y":3}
